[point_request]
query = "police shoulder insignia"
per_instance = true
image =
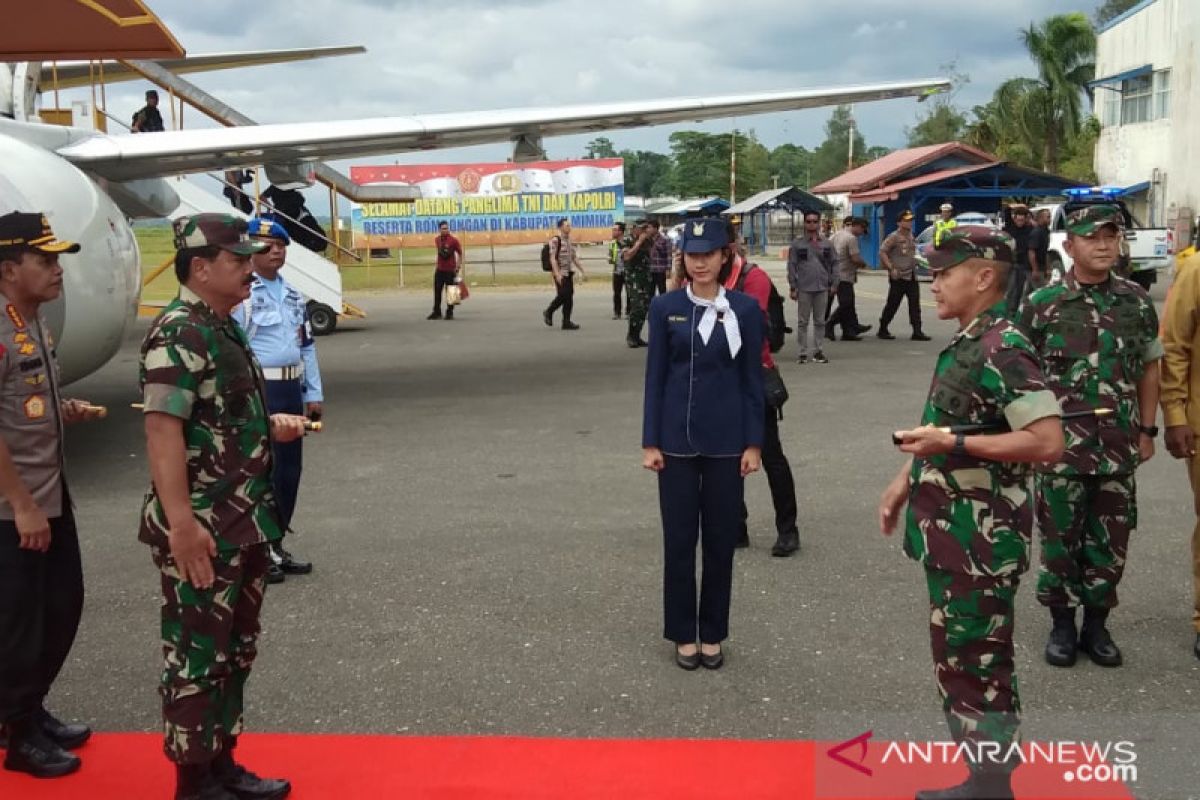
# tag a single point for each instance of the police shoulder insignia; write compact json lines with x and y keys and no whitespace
{"x":35,"y":407}
{"x":15,"y":316}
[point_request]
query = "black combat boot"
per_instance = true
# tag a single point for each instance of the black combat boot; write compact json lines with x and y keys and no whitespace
{"x":1061,"y":648}
{"x":1095,"y":640}
{"x":196,"y":782}
{"x":243,"y":784}
{"x":983,"y":784}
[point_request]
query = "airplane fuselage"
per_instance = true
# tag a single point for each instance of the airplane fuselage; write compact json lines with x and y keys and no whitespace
{"x":101,"y":283}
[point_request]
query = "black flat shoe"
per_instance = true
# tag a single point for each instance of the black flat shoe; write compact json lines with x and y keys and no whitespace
{"x":37,"y":755}
{"x":715,"y":661}
{"x":687,"y":662}
{"x":289,"y":563}
{"x":275,"y":574}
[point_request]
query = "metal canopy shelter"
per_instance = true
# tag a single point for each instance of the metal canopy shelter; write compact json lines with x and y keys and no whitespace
{"x":978,"y":188}
{"x":758,"y":208}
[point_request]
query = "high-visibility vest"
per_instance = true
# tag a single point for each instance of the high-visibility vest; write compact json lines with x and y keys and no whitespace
{"x":940,"y":226}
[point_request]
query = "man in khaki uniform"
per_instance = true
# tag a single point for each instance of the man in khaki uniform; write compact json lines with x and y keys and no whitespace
{"x":1181,"y":395}
{"x":41,"y":579}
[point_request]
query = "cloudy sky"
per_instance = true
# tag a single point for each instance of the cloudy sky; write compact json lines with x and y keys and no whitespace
{"x":461,"y":55}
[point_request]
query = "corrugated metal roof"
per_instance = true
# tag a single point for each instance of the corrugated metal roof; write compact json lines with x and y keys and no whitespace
{"x":892,"y":191}
{"x":691,"y":206}
{"x":796,"y":197}
{"x":896,"y":163}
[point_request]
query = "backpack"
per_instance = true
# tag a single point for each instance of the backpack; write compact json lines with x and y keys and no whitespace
{"x":546,"y":267}
{"x":777,"y":329}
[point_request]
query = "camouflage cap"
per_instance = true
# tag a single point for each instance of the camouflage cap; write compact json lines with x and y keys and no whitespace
{"x":968,"y":241}
{"x":1089,"y":219}
{"x":216,"y":230}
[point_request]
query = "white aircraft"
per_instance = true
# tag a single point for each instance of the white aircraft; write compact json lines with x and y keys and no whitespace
{"x":90,"y":184}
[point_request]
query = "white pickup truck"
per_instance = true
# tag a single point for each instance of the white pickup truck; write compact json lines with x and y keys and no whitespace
{"x":1143,"y":253}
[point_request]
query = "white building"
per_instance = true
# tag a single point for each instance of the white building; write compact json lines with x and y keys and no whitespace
{"x":1147,"y":96}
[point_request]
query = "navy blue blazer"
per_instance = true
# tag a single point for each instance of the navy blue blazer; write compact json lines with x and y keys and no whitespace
{"x":699,"y":399}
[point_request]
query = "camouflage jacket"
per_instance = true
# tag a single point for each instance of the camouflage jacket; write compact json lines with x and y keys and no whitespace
{"x":199,"y":367}
{"x":1094,"y":343}
{"x":966,"y":514}
{"x":638,"y":264}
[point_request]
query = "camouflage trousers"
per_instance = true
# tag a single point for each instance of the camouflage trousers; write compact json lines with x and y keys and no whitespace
{"x":209,"y":644}
{"x":639,"y":286}
{"x":971,"y":633}
{"x":1085,"y":522}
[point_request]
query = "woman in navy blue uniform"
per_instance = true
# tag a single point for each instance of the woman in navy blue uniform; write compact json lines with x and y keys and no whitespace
{"x":702,"y":433}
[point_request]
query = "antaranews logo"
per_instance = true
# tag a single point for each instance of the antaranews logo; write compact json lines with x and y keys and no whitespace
{"x":858,"y":743}
{"x":1081,"y":762}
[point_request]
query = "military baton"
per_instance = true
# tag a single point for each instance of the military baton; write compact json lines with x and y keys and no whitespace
{"x":311,"y":426}
{"x":99,"y":411}
{"x":1001,"y":425}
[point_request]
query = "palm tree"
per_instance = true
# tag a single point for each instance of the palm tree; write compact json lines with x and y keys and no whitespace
{"x":1064,"y":49}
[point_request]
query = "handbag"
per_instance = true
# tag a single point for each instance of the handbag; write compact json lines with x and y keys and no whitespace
{"x":774,"y":390}
{"x":453,"y":295}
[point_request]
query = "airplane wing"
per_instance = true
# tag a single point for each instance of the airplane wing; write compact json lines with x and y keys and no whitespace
{"x":131,"y":157}
{"x":76,"y":74}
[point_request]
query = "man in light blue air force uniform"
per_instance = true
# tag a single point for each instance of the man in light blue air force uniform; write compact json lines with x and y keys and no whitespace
{"x":276,"y":323}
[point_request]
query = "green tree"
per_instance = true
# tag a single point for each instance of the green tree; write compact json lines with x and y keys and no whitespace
{"x":1111,"y":9}
{"x":1079,"y":156}
{"x":942,"y":123}
{"x":600,"y":147}
{"x":753,"y":165}
{"x":647,"y":174}
{"x":701,"y":164}
{"x":792,"y":163}
{"x":831,"y":156}
{"x":1064,"y":48}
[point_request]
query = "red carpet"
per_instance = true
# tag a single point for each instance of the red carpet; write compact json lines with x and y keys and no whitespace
{"x":131,"y":767}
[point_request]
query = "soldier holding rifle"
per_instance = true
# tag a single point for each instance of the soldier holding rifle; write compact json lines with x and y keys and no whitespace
{"x":970,"y":516}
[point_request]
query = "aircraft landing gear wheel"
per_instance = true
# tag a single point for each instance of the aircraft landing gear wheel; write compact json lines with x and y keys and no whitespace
{"x":322,"y":318}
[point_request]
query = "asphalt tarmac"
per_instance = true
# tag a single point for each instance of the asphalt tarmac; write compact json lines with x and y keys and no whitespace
{"x":487,"y":552}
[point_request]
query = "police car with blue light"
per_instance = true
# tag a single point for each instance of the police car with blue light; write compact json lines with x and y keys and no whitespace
{"x":1143,"y":253}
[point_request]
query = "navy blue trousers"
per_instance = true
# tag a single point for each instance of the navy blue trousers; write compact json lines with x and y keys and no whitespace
{"x":700,"y":498}
{"x":286,"y":397}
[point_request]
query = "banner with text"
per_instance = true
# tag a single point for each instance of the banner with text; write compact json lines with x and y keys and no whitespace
{"x":493,"y":203}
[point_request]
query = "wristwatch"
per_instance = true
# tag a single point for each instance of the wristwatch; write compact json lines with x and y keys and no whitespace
{"x":960,"y":444}
{"x":1149,"y":430}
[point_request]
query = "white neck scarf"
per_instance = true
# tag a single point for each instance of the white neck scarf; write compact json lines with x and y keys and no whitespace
{"x":714,"y":309}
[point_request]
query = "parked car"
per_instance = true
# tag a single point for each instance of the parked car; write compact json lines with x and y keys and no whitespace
{"x":1144,"y":251}
{"x":925,"y":238}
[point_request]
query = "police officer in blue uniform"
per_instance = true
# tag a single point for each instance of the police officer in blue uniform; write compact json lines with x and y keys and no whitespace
{"x":702,"y":433}
{"x":275,"y":319}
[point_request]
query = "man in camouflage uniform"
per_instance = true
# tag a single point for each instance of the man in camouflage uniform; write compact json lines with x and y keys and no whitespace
{"x":211,"y":512}
{"x":635,"y":251}
{"x":969,"y":518}
{"x":1097,"y":336}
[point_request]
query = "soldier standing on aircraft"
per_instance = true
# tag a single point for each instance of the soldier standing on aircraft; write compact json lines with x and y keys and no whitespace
{"x":211,"y":512}
{"x":1097,"y":335}
{"x":636,"y":253}
{"x":276,"y":323}
{"x":41,"y":579}
{"x":148,"y":119}
{"x":969,"y":517}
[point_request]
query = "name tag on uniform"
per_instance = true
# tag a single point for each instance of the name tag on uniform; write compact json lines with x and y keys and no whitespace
{"x":677,"y":318}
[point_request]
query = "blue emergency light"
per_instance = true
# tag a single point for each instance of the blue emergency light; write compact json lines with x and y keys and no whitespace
{"x":1095,"y":193}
